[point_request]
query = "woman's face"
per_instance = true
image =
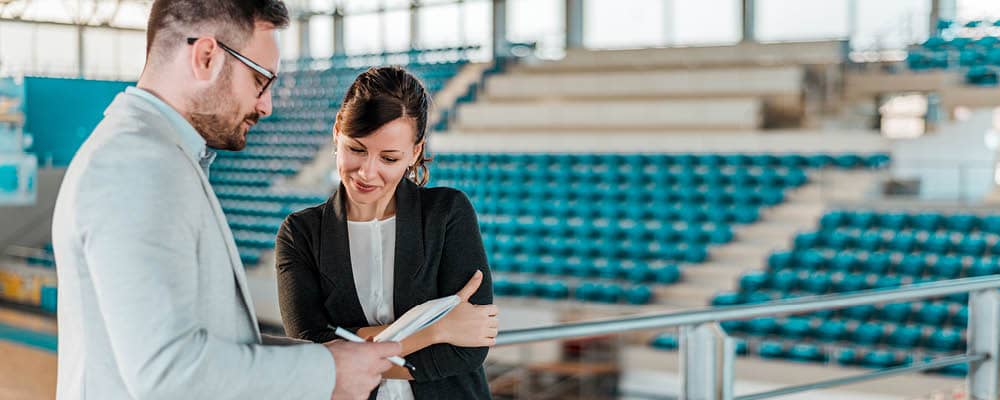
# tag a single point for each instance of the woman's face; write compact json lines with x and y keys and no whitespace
{"x":371,"y":167}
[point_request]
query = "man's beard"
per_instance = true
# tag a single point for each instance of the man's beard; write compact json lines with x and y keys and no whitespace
{"x":212,"y":115}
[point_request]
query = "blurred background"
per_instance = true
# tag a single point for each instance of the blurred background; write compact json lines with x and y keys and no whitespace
{"x":625,"y":157}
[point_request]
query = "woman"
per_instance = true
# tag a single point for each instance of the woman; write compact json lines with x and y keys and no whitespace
{"x":383,"y":243}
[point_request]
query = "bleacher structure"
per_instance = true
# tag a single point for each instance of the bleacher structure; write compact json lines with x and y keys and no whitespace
{"x":958,"y":66}
{"x":860,"y":250}
{"x":606,"y":219}
{"x":972,"y":47}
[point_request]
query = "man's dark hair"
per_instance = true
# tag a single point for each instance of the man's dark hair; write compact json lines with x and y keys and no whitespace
{"x":230,"y":21}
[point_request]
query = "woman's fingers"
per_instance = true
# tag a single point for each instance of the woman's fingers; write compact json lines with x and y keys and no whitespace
{"x":490,"y":309}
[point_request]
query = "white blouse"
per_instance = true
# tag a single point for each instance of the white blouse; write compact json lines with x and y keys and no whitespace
{"x":373,"y":260}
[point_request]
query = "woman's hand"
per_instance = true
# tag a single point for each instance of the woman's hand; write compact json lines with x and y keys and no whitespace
{"x":469,"y":325}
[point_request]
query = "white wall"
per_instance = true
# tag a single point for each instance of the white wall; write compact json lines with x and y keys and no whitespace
{"x":952,"y":164}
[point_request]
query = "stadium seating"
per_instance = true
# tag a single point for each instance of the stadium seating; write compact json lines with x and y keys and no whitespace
{"x":976,"y":52}
{"x":859,"y":250}
{"x":618,"y":220}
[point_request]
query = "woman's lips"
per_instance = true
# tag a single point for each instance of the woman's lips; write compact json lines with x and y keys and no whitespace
{"x":364,"y":188}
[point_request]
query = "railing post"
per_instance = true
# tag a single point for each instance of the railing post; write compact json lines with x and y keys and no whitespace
{"x":984,"y":338}
{"x":706,"y":363}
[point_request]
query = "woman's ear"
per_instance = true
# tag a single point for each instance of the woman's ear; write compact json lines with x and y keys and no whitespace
{"x":336,"y":133}
{"x":418,"y":153}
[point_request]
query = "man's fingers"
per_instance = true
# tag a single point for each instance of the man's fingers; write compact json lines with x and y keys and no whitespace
{"x":382,"y":366}
{"x":386,"y":349}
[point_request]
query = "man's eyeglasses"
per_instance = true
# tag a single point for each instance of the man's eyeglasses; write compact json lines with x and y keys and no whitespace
{"x":268,"y":75}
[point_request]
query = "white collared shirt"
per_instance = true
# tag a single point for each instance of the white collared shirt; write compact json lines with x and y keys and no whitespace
{"x":373,"y":260}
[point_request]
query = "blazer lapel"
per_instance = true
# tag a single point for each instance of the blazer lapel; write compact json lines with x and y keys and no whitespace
{"x":335,"y":262}
{"x":234,"y":254}
{"x":409,"y":246}
{"x":220,"y":217}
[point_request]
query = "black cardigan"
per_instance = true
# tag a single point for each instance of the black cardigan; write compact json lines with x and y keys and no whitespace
{"x":438,"y":248}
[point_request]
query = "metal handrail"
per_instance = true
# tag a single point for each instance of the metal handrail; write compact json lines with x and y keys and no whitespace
{"x":707,"y":352}
{"x":716,"y":314}
{"x":915,"y":367}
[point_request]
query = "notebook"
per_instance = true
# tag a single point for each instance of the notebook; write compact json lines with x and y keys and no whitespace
{"x":418,"y":318}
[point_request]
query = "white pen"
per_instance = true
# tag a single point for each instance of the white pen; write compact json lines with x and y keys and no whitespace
{"x":350,"y":336}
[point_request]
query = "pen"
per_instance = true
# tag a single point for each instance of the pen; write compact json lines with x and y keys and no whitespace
{"x":349,"y":336}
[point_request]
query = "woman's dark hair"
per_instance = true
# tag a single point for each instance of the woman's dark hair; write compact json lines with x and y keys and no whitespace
{"x":381,"y":95}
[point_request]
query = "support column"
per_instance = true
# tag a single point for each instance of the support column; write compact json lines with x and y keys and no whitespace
{"x":749,"y":24}
{"x":941,"y":10}
{"x":984,"y":338}
{"x":338,"y":32}
{"x":305,"y":49}
{"x":574,"y":24}
{"x":463,"y":37}
{"x":706,"y":356}
{"x":414,"y":26}
{"x":501,"y":48}
{"x":81,"y":52}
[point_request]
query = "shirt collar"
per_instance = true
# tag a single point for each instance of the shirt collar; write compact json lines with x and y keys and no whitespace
{"x":191,"y":140}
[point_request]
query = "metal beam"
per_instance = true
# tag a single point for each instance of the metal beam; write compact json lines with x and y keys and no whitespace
{"x":70,"y":24}
{"x":338,"y":32}
{"x":414,"y":25}
{"x":884,"y":373}
{"x":707,"y":363}
{"x":984,"y":338}
{"x":305,"y":49}
{"x":81,"y":54}
{"x":748,"y":13}
{"x":501,"y":48}
{"x":780,"y":307}
{"x":574,"y":24}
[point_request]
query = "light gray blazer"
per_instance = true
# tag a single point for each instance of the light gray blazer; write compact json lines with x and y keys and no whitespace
{"x":153,"y":302}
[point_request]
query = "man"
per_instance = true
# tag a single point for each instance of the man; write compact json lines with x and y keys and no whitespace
{"x":153,"y":299}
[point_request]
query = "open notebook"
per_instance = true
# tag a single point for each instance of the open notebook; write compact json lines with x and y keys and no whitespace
{"x":418,"y":318}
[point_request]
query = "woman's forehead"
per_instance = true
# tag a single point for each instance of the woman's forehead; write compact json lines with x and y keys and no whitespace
{"x":399,"y":133}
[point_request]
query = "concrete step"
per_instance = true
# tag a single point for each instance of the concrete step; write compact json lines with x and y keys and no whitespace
{"x":590,"y":115}
{"x":794,"y":211}
{"x":768,"y":233}
{"x":738,"y":253}
{"x":747,"y":81}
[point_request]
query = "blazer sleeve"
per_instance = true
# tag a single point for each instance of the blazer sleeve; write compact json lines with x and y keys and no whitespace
{"x":139,"y":237}
{"x":299,"y":294}
{"x":462,"y":255}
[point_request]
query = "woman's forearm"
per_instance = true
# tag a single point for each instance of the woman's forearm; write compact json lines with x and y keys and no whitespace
{"x":413,"y":343}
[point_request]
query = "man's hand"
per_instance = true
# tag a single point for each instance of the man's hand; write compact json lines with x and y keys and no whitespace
{"x":359,"y":367}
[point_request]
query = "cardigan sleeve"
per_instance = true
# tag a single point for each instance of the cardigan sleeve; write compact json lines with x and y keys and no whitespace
{"x":462,"y":255}
{"x":299,"y":294}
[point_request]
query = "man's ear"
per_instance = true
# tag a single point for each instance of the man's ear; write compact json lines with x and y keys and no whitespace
{"x":204,"y":60}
